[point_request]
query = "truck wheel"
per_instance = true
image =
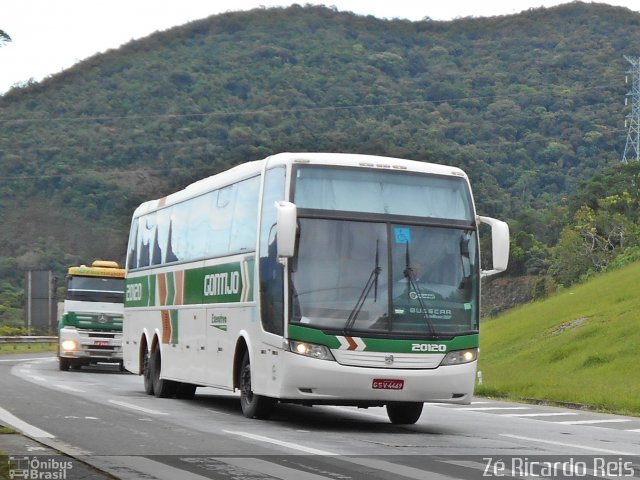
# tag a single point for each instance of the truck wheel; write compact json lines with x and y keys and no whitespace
{"x":253,"y":406}
{"x":162,"y":388}
{"x":63,"y":364}
{"x":404,"y":413}
{"x":146,"y":374}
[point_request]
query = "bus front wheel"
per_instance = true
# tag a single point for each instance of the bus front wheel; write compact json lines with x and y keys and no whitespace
{"x":404,"y":413}
{"x":253,"y":406}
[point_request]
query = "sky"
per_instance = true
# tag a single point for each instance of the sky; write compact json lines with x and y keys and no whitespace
{"x":49,"y":36}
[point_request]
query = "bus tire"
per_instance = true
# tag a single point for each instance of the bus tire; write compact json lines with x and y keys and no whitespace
{"x":146,"y":374}
{"x":64,"y":363}
{"x":404,"y":413}
{"x":162,"y":388}
{"x":253,"y":406}
{"x":185,"y":391}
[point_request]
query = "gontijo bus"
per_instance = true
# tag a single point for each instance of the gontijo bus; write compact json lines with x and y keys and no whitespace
{"x":311,"y":278}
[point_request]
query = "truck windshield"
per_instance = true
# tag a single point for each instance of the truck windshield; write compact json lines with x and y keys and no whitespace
{"x":384,"y":278}
{"x":95,"y":289}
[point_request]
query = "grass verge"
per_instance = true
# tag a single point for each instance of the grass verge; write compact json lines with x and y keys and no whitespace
{"x":578,"y":347}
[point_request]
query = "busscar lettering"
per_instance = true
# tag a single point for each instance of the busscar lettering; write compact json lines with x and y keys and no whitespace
{"x":434,"y":313}
{"x":225,"y":283}
{"x":134,"y":292}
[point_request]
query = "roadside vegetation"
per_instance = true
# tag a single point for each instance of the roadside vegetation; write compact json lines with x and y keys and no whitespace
{"x":579,"y":346}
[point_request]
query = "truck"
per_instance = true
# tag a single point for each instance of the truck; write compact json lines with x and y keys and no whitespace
{"x":90,"y":328}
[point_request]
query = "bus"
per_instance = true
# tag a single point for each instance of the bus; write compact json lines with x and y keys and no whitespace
{"x":311,"y":278}
{"x":90,"y":328}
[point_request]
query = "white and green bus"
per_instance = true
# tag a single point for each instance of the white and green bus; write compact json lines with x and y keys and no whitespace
{"x":311,"y":278}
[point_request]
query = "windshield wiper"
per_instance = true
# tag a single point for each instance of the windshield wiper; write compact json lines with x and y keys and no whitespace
{"x":413,"y":284}
{"x":372,"y":282}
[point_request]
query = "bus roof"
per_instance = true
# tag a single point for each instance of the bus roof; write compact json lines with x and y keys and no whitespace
{"x":99,"y":268}
{"x":252,"y":168}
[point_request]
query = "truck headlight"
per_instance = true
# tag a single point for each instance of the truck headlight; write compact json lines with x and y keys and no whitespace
{"x":312,"y":350}
{"x":458,"y":357}
{"x":69,"y":345}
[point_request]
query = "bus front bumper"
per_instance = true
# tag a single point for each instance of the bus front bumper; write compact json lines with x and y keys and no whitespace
{"x":311,"y":380}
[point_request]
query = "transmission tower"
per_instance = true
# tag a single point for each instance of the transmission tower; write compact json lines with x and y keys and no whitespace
{"x":632,"y":148}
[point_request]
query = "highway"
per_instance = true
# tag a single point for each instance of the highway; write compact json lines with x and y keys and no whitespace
{"x":101,"y":418}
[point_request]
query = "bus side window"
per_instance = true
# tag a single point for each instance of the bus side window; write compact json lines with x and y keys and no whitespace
{"x":132,"y":261}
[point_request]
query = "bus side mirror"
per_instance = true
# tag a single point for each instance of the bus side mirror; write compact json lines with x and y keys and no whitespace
{"x":287,"y":223}
{"x":499,"y":245}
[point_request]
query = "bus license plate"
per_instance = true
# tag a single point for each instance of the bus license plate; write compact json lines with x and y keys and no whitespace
{"x":387,"y":384}
{"x":101,"y":343}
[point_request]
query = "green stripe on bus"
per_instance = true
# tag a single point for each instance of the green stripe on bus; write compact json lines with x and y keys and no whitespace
{"x":173,"y":315}
{"x":313,"y":335}
{"x":207,"y":285}
{"x":140,"y":291}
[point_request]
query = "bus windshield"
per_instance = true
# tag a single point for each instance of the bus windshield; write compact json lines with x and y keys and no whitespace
{"x":95,"y":289}
{"x":386,"y":192}
{"x":381,"y":278}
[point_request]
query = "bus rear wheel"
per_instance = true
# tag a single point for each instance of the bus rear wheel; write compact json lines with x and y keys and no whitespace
{"x":404,"y":413}
{"x":253,"y":406}
{"x":146,"y":374}
{"x":162,"y":388}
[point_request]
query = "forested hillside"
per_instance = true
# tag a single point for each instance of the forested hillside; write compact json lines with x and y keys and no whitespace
{"x":530,"y":105}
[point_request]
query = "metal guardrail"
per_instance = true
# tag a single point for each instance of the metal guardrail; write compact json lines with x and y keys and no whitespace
{"x":28,"y":339}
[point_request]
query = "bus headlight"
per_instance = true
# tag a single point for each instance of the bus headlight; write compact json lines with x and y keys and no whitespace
{"x":458,"y":357}
{"x":69,"y":345}
{"x":312,"y":350}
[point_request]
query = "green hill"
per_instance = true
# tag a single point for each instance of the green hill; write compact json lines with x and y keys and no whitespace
{"x":580,"y":346}
{"x":529,"y":105}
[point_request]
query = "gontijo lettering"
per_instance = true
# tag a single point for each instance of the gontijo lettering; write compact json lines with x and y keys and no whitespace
{"x":225,"y":283}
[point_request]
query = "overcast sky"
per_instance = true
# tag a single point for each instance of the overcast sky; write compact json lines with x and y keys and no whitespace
{"x":49,"y":36}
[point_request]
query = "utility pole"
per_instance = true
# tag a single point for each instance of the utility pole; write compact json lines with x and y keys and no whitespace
{"x":632,"y":147}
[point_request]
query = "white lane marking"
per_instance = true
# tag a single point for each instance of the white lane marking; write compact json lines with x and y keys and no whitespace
{"x":29,"y":430}
{"x":633,"y":430}
{"x":572,"y":445}
{"x":37,"y":378}
{"x":293,"y":446}
{"x":268,"y":468}
{"x":131,"y":468}
{"x":67,"y":387}
{"x":395,"y":468}
{"x":217,"y":412}
{"x":136,"y":407}
{"x":593,"y":422}
{"x":547,"y":414}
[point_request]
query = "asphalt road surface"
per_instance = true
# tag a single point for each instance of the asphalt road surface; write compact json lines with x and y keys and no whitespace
{"x":98,"y":423}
